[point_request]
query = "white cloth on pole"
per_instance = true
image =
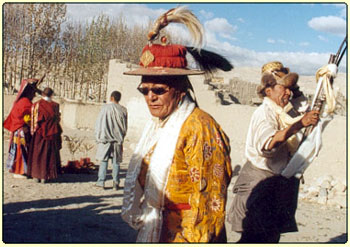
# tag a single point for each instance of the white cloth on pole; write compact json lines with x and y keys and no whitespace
{"x":311,"y":146}
{"x":307,"y":151}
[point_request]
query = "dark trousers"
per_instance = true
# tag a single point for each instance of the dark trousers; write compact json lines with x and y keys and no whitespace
{"x":264,"y":205}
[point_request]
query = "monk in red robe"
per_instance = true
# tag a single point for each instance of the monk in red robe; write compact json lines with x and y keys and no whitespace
{"x":44,"y":156}
{"x":18,"y":122}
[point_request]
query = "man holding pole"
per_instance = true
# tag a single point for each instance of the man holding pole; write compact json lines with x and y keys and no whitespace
{"x":265,"y":202}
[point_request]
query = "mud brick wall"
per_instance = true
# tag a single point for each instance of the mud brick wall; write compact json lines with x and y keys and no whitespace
{"x":243,"y":91}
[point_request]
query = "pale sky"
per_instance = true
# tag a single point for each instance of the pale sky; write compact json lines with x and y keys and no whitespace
{"x":301,"y":36}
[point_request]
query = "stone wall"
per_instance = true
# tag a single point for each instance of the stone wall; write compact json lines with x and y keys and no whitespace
{"x":79,"y":115}
{"x":244,"y":92}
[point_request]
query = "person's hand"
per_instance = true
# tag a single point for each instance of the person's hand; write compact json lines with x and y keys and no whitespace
{"x":310,"y":118}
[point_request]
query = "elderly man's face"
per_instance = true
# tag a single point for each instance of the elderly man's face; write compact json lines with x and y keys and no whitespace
{"x":279,"y":94}
{"x":161,"y":99}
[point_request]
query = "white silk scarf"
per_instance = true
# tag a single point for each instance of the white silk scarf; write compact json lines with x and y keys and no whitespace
{"x":142,"y":209}
{"x":285,"y":120}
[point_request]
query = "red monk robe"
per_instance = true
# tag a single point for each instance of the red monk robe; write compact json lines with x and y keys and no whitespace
{"x":44,"y":161}
{"x":18,"y":122}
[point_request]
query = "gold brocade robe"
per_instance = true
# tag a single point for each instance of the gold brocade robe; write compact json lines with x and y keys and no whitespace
{"x":196,"y":190}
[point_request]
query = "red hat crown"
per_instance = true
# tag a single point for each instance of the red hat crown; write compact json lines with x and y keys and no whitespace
{"x":167,"y":56}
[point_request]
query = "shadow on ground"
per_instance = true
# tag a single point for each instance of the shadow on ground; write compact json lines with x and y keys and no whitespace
{"x":339,"y":239}
{"x":86,"y":177}
{"x":90,"y":220}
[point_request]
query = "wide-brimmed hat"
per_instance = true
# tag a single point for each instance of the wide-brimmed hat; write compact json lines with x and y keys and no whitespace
{"x":273,"y":67}
{"x":165,"y":59}
{"x":275,"y":73}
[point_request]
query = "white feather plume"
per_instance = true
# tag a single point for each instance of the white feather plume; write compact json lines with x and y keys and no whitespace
{"x":179,"y":15}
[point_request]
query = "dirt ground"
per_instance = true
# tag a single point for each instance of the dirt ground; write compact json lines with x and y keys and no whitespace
{"x":72,"y":210}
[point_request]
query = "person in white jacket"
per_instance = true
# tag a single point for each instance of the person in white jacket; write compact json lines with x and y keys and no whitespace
{"x":265,"y":202}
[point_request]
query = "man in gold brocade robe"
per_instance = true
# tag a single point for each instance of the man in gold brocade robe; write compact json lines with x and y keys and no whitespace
{"x":176,"y":185}
{"x":195,"y":193}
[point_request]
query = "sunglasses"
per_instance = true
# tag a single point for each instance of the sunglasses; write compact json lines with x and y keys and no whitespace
{"x":155,"y":90}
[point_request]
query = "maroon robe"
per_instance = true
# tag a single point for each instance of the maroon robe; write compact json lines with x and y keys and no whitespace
{"x":44,"y":153}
